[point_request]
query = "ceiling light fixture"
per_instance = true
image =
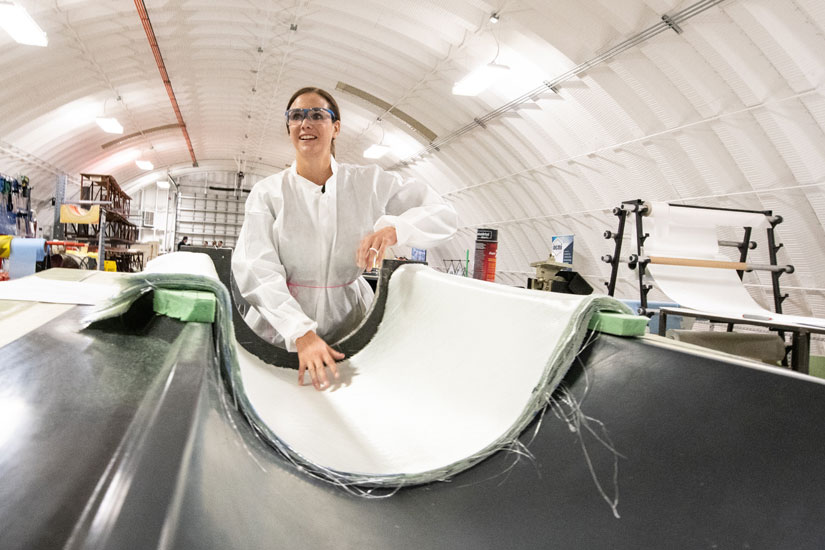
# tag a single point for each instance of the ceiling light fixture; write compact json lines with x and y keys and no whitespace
{"x":110,"y":125}
{"x":144,"y":164}
{"x":16,"y":21}
{"x":163,"y":184}
{"x":485,"y":76}
{"x":377,"y":150}
{"x":480,"y":79}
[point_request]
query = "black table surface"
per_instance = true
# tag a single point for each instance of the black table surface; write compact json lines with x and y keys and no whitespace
{"x":129,"y":438}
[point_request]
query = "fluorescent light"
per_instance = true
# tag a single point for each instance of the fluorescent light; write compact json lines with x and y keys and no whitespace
{"x":480,"y":79}
{"x":163,"y":184}
{"x":144,"y":164}
{"x":109,"y":125}
{"x":16,"y":21}
{"x":376,"y":151}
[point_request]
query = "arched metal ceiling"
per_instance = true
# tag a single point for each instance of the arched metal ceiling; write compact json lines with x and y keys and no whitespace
{"x":729,"y":112}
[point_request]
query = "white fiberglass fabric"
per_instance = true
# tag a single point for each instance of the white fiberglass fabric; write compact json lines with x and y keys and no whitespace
{"x":183,"y":263}
{"x":455,"y":370}
{"x":41,"y":289}
{"x":681,"y":232}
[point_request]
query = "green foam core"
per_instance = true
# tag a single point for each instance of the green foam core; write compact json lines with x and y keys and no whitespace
{"x":817,"y":366}
{"x":620,"y":324}
{"x":186,"y":305}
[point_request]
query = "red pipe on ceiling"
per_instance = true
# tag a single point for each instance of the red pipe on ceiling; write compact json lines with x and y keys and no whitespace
{"x":153,"y":43}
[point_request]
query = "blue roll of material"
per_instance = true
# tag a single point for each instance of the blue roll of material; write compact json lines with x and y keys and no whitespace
{"x":24,"y":254}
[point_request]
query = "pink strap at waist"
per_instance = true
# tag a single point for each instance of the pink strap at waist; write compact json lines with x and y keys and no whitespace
{"x":310,"y":286}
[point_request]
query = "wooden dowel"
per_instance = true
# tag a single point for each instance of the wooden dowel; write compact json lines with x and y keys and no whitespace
{"x":664,"y":260}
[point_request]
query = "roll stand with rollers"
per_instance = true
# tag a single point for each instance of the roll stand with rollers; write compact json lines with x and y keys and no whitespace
{"x":800,"y":346}
{"x":640,"y":209}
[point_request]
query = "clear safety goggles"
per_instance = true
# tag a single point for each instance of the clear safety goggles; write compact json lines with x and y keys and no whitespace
{"x":315,"y":114}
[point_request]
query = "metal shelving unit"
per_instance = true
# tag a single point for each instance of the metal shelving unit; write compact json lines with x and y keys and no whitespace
{"x":114,"y":232}
{"x":207,"y":217}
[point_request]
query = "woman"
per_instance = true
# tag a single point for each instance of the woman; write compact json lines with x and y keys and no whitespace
{"x":311,"y":230}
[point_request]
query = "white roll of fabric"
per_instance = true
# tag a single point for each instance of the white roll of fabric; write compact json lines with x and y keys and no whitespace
{"x":686,"y":232}
{"x":183,"y":263}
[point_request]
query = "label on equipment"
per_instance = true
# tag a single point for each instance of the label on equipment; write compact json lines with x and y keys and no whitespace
{"x":562,"y":247}
{"x":487,"y":235}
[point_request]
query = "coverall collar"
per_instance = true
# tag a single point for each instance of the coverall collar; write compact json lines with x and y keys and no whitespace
{"x":293,"y":169}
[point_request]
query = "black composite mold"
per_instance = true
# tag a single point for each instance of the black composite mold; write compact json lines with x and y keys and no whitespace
{"x":713,"y":455}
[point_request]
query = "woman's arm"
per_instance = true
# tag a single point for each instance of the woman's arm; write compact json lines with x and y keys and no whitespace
{"x":421,"y":218}
{"x":415,"y":215}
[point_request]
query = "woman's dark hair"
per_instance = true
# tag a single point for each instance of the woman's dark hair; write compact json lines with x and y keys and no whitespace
{"x":333,"y":105}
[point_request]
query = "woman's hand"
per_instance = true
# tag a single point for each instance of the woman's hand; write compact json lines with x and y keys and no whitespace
{"x":314,"y":355}
{"x":373,"y":246}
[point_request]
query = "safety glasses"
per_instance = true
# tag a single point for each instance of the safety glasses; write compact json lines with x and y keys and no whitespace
{"x":315,"y":114}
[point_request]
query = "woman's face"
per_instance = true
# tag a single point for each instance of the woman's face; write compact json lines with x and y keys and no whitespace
{"x":312,"y":138}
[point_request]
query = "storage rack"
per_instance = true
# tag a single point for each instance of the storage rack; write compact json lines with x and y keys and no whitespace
{"x":117,"y":231}
{"x":209,"y":217}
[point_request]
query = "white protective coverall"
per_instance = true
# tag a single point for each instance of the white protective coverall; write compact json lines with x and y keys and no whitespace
{"x":295,"y":257}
